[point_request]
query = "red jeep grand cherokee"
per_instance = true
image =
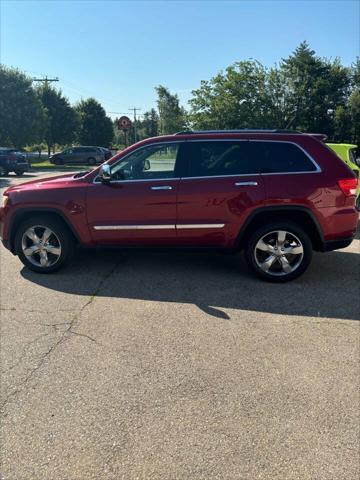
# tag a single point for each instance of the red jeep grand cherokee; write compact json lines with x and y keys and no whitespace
{"x":277,"y":195}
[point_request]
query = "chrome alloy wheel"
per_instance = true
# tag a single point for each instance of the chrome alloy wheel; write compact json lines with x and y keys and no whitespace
{"x":279,"y":253}
{"x":41,"y":246}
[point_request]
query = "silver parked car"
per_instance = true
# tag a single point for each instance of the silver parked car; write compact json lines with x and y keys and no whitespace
{"x":87,"y":155}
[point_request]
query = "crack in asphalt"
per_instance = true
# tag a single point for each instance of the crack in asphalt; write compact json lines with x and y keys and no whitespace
{"x":25,"y":349}
{"x":63,"y":337}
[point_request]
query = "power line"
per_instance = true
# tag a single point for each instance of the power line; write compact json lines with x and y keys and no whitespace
{"x":46,"y":80}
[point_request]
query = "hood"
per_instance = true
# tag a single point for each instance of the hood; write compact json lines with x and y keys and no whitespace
{"x":58,"y":181}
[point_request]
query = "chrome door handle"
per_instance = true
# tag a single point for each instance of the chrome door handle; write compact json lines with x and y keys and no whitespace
{"x":162,"y":187}
{"x":244,"y":184}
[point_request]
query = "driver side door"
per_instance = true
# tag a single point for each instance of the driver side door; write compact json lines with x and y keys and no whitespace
{"x":138,"y":206}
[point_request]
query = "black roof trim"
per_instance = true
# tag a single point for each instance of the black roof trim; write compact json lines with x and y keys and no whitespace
{"x":245,"y":130}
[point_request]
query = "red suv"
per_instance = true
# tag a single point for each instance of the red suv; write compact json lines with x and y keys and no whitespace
{"x":277,"y":195}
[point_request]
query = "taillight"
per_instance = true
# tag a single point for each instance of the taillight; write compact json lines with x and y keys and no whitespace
{"x":348,"y":186}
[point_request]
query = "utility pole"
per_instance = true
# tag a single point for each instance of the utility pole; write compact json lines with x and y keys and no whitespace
{"x":134,"y":110}
{"x":46,"y":80}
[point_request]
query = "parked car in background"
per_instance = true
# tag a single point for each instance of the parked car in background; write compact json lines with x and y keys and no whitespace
{"x":107,"y":152}
{"x":78,"y":155}
{"x":11,"y":160}
{"x":276,"y":195}
{"x":347,"y":153}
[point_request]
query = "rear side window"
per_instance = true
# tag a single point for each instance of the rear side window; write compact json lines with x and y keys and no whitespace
{"x":280,"y":157}
{"x":219,"y":158}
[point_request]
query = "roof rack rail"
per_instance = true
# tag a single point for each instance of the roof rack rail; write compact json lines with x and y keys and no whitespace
{"x":244,"y":130}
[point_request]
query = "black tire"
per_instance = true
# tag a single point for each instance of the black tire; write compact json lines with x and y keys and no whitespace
{"x":58,"y":161}
{"x":19,"y":173}
{"x":91,"y":161}
{"x":297,"y":262}
{"x":3,"y":171}
{"x":64,"y":236}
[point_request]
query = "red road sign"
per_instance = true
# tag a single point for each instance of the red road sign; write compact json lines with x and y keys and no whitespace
{"x":124,"y":123}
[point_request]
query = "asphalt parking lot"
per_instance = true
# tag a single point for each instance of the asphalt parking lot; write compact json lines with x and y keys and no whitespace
{"x":144,"y":365}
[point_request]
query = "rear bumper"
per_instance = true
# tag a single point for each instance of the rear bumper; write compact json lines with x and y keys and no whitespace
{"x":337,"y":244}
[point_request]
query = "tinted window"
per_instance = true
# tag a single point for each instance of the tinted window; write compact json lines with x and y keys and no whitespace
{"x":82,"y":150}
{"x":218,"y":158}
{"x":280,"y":157}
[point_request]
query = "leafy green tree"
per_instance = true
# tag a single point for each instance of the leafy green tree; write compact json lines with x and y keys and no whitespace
{"x":297,"y":94}
{"x":149,"y":125}
{"x":347,"y":118}
{"x":21,"y":113}
{"x":354,"y":108}
{"x":95,"y":128}
{"x":236,"y":98}
{"x":314,"y":87}
{"x":342,"y":124}
{"x":355,"y":74}
{"x":172,"y":117}
{"x":61,"y":118}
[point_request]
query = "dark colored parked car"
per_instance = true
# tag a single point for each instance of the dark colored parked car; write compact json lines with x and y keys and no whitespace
{"x":87,"y":155}
{"x":11,"y":160}
{"x":276,"y":195}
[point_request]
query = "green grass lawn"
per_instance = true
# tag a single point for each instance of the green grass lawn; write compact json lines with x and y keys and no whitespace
{"x":46,"y":165}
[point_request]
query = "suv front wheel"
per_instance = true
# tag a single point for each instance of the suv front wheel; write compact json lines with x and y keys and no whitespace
{"x":44,"y":244}
{"x":279,"y":252}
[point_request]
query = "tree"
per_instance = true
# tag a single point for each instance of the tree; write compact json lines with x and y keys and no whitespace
{"x":61,"y":119}
{"x":236,"y":98}
{"x":21,"y":113}
{"x":297,"y":94}
{"x":172,"y":117}
{"x":149,"y":125}
{"x":95,"y":128}
{"x":314,"y":87}
{"x":354,"y":108}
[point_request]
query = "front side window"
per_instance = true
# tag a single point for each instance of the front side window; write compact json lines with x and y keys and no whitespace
{"x":219,"y":158}
{"x":152,"y":162}
{"x":280,"y":157}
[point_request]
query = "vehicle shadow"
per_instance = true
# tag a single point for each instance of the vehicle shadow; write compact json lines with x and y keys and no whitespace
{"x":213,"y":282}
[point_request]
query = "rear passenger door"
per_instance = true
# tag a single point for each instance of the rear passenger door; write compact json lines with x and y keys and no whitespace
{"x":222,"y":185}
{"x":288,"y":172}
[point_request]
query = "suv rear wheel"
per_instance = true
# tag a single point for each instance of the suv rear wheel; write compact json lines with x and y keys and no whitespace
{"x":279,"y":252}
{"x":43,"y":244}
{"x":91,"y":161}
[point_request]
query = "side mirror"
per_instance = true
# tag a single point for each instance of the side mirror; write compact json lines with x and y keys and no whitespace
{"x":105,"y":173}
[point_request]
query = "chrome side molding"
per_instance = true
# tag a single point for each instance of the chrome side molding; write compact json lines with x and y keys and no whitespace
{"x":243,"y":184}
{"x":159,"y":227}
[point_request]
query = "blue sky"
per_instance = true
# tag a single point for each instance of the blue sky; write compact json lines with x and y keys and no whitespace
{"x":117,"y":51}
